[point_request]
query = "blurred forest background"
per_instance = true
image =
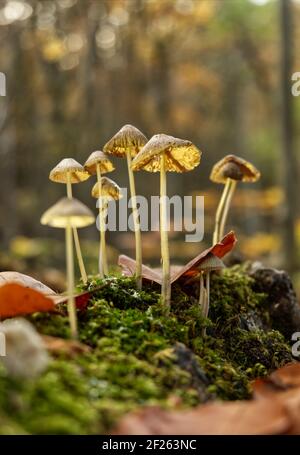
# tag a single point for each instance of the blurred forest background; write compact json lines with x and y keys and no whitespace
{"x":217,"y":72}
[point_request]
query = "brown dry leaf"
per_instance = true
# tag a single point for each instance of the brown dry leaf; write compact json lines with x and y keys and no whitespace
{"x":70,"y":348}
{"x":261,"y":417}
{"x":17,"y":300}
{"x":283,"y":386}
{"x":129,"y":266}
{"x":179,"y":273}
{"x":26,"y":281}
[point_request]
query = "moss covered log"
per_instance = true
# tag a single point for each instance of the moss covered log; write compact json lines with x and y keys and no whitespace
{"x":141,"y":357}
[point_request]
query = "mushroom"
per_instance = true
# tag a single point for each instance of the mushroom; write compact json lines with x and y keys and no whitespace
{"x":69,"y":171}
{"x":127,"y":143}
{"x":210,"y":264}
{"x":105,"y":190}
{"x":69,"y":213}
{"x":98,"y":163}
{"x":230,"y":170}
{"x":163,"y":154}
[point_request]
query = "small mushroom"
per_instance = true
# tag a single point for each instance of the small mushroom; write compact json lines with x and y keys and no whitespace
{"x":98,"y":163}
{"x":163,"y":154}
{"x":229,"y":171}
{"x":69,"y":213}
{"x":127,"y":143}
{"x":69,"y":171}
{"x":210,"y":264}
{"x":104,"y":191}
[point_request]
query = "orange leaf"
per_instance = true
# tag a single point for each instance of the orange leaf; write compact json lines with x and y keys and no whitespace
{"x":16,"y":300}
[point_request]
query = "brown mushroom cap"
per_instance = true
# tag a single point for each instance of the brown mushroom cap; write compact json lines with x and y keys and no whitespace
{"x":128,"y":138}
{"x":181,"y":155}
{"x":211,"y":263}
{"x":100,"y":158}
{"x":235,"y":168}
{"x":109,"y":189}
{"x":77,"y":173}
{"x":68,"y":212}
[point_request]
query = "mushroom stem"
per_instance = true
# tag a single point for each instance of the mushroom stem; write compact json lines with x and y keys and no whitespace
{"x":216,"y":236}
{"x":76,"y":237}
{"x":103,"y":268}
{"x":136,"y":221}
{"x":201,"y":292}
{"x":232,"y":186}
{"x":206,"y":300}
{"x":166,"y":284}
{"x":71,"y":282}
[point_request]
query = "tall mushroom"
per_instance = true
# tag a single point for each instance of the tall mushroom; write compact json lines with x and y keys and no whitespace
{"x":229,"y":171}
{"x":69,"y":171}
{"x":69,"y":213}
{"x":163,"y":154}
{"x":98,"y":163}
{"x":127,"y":143}
{"x":210,"y":264}
{"x":105,"y":191}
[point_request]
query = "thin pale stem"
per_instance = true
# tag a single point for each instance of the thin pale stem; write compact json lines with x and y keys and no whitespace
{"x":226,"y":207}
{"x":79,"y":256}
{"x":71,"y":282}
{"x":201,"y":291}
{"x":76,"y":237}
{"x":137,"y":227}
{"x":206,"y":300}
{"x":216,"y":236}
{"x":166,"y":283}
{"x":103,"y":267}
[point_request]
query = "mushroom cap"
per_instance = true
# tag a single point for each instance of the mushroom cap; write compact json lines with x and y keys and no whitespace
{"x":235,"y":168}
{"x":129,"y":138}
{"x":211,"y":263}
{"x":100,"y":158}
{"x":181,"y":155}
{"x":109,"y":189}
{"x":60,"y":172}
{"x":68,"y":211}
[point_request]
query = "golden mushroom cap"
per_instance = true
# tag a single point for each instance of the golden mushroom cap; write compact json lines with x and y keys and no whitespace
{"x":211,"y":263}
{"x":181,"y":155}
{"x":235,"y":168}
{"x":109,"y":189}
{"x":68,"y":212}
{"x":60,"y":172}
{"x":100,"y":158}
{"x":129,"y":138}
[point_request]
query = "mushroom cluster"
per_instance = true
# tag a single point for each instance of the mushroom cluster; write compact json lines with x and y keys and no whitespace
{"x":162,"y":153}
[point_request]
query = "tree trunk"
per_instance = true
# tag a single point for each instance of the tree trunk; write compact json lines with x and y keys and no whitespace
{"x":288,"y":157}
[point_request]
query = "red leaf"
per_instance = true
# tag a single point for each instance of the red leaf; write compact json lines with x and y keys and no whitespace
{"x":179,"y":273}
{"x":219,"y":250}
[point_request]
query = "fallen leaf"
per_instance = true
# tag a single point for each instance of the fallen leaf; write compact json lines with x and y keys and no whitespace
{"x":16,"y":300}
{"x":179,"y":273}
{"x":59,"y":346}
{"x":129,"y":265}
{"x":26,"y":281}
{"x":235,"y":418}
{"x":219,"y":249}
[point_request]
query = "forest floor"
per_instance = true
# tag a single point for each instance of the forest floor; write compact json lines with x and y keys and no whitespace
{"x":139,"y":356}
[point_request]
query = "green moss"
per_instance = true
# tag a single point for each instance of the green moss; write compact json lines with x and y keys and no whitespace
{"x":140,"y":356}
